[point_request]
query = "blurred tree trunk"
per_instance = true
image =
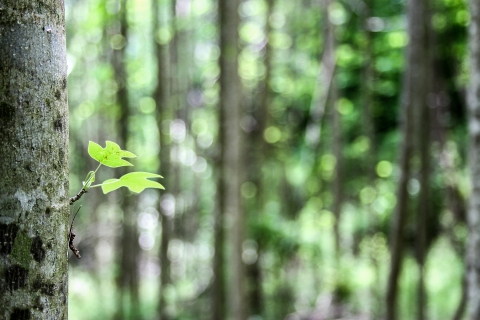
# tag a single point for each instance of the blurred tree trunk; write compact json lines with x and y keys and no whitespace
{"x":218,"y":285}
{"x":162,"y":101}
{"x":128,"y":242}
{"x":414,"y":100}
{"x":473,"y":216}
{"x":323,"y":84}
{"x":337,"y":178}
{"x":423,"y":131}
{"x":260,"y":153}
{"x":368,"y":121}
{"x":231,"y":151}
{"x":34,"y":208}
{"x":219,"y":298}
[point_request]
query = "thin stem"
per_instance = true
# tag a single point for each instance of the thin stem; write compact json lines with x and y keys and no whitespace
{"x":83,"y":190}
{"x":97,"y":168}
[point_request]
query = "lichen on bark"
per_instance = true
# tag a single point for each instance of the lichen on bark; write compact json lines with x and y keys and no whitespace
{"x":21,"y":250}
{"x":34,"y":168}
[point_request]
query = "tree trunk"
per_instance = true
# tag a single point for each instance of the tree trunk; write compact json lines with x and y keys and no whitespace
{"x":473,"y":216}
{"x":162,"y":100}
{"x":34,"y":207}
{"x":323,"y":84}
{"x":414,"y":99}
{"x":260,"y":153}
{"x":128,"y":243}
{"x":337,"y":179}
{"x":231,"y":145}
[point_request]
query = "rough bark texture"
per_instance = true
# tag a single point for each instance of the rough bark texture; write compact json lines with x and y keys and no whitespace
{"x":231,"y":139}
{"x":414,"y":100}
{"x":473,"y":216}
{"x":34,"y":187}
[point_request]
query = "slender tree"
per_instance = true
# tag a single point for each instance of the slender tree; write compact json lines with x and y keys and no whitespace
{"x":323,"y":84}
{"x":260,"y":153}
{"x":162,"y":101}
{"x":473,"y":216}
{"x":34,"y":146}
{"x":414,"y":100}
{"x":127,"y":279}
{"x":231,"y":151}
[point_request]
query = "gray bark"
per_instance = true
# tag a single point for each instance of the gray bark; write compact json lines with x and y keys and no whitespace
{"x":473,"y":215}
{"x":231,"y":144}
{"x":34,"y":205}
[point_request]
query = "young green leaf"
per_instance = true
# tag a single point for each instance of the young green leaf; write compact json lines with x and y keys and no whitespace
{"x":135,"y":181}
{"x":111,"y":155}
{"x":89,"y":179}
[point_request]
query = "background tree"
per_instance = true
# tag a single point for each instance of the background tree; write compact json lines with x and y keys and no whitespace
{"x":231,"y":143}
{"x":34,"y":143}
{"x":414,"y":102}
{"x":473,"y":261}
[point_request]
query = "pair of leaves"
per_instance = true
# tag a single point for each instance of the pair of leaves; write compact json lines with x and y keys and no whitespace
{"x":111,"y":156}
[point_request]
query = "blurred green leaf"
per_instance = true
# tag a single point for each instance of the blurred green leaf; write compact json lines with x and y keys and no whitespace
{"x":135,"y":181}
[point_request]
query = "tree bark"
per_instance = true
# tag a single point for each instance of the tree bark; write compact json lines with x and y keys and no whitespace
{"x":231,"y":146}
{"x":473,"y":215}
{"x":162,"y":100}
{"x":34,"y":207}
{"x":413,"y":100}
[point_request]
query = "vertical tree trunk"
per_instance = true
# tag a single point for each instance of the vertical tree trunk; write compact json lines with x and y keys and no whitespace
{"x":368,"y":121}
{"x":162,"y":100}
{"x":473,"y":216}
{"x":34,"y":206}
{"x":231,"y":144}
{"x":128,"y":242}
{"x":323,"y":84}
{"x":337,"y":179}
{"x":424,"y":197}
{"x":413,"y":100}
{"x":260,"y":153}
{"x":218,"y":285}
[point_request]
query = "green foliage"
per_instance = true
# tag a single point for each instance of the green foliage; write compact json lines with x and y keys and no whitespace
{"x":110,"y":156}
{"x":135,"y":181}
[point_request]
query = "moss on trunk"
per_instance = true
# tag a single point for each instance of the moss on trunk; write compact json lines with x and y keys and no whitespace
{"x":34,"y":146}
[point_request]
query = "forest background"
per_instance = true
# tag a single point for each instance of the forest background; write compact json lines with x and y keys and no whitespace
{"x":349,"y":160}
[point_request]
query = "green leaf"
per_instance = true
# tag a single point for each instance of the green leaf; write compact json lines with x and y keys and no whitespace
{"x":89,"y":179}
{"x":135,"y":181}
{"x":111,"y":155}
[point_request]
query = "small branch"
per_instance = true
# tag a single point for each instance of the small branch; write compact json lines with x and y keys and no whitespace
{"x":71,"y":234}
{"x":78,"y":196}
{"x":76,"y":252}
